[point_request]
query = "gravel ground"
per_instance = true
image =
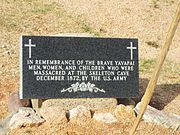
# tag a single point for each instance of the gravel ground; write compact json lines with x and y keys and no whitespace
{"x":146,"y":20}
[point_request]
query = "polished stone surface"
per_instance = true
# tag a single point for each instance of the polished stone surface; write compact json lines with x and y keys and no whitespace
{"x":78,"y":67}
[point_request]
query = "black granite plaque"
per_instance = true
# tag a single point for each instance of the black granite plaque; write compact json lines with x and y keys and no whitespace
{"x":78,"y":67}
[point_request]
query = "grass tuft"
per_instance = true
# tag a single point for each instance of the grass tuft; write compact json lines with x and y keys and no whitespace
{"x":152,"y":43}
{"x":89,"y":29}
{"x":44,"y":9}
{"x":154,"y":3}
{"x":28,"y":131}
{"x":146,"y":65}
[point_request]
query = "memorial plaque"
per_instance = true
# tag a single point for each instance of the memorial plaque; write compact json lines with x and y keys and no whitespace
{"x":78,"y":67}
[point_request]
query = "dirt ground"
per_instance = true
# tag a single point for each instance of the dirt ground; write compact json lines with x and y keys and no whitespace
{"x":146,"y":20}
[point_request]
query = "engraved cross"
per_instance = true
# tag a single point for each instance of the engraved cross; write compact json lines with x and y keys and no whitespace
{"x":131,"y":49}
{"x":29,"y":45}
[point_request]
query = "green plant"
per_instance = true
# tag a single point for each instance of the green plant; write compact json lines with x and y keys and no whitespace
{"x":43,"y":8}
{"x":152,"y":43}
{"x":89,"y":29}
{"x":146,"y":65}
{"x":28,"y":131}
{"x":154,"y":3}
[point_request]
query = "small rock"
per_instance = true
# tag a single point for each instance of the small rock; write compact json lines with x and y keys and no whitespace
{"x":105,"y":117}
{"x":125,"y":113}
{"x":6,"y":121}
{"x":127,"y":102}
{"x":79,"y":113}
{"x":159,"y":117}
{"x":53,"y":115}
{"x":25,"y":117}
{"x":3,"y":130}
{"x":4,"y":124}
{"x":14,"y":102}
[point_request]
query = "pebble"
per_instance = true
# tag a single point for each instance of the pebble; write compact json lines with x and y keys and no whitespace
{"x":105,"y":117}
{"x":4,"y":124}
{"x":79,"y":113}
{"x":3,"y":130}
